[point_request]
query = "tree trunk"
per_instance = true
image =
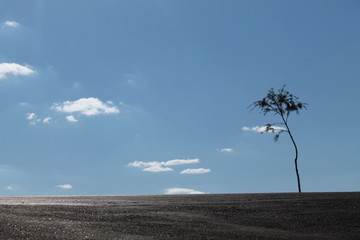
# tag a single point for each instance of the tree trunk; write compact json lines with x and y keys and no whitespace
{"x":296,"y":159}
{"x":296,"y":154}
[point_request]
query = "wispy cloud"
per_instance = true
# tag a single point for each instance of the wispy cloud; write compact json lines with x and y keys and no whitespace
{"x":228,"y":150}
{"x":11,"y":24}
{"x":32,"y":118}
{"x":24,"y":104}
{"x":195,"y":171}
{"x":162,"y":166}
{"x":182,"y":191}
{"x":65,"y":186}
{"x":181,"y":162}
{"x":150,"y":166}
{"x":15,"y":69}
{"x":132,"y":79}
{"x":71,"y":118}
{"x":12,"y":187}
{"x":86,"y":106}
{"x":7,"y":170}
{"x":141,"y":164}
{"x":262,"y":129}
{"x":157,"y":169}
{"x":47,"y":120}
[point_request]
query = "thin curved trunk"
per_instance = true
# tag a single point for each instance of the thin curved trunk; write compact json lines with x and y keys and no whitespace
{"x":296,"y":154}
{"x":296,"y":159}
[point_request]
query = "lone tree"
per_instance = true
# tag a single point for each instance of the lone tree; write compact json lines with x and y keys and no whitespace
{"x":281,"y":103}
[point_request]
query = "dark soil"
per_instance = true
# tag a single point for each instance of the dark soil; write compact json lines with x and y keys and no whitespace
{"x":223,"y":216}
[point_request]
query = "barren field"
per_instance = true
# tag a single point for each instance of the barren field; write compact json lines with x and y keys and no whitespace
{"x":222,"y":216}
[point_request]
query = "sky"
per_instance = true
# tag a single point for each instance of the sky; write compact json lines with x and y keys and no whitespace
{"x":137,"y":97}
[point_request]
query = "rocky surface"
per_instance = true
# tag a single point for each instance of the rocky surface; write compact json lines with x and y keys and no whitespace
{"x":222,"y":216}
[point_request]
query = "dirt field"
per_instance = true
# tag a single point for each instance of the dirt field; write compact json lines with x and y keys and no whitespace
{"x":225,"y":216}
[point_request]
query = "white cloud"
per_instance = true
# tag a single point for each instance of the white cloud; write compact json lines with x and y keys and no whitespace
{"x":157,"y":169}
{"x":150,"y":166}
{"x":195,"y":171}
{"x":182,"y":191}
{"x":141,"y":164}
{"x":86,"y":106}
{"x":11,"y":24}
{"x":180,"y":162}
{"x":261,"y":129}
{"x":11,"y":187}
{"x":24,"y":104}
{"x":31,"y":116}
{"x":71,"y":118}
{"x":161,"y":166}
{"x":14,"y":69}
{"x":65,"y":186}
{"x":229,"y":150}
{"x":34,"y":119}
{"x":47,"y":120}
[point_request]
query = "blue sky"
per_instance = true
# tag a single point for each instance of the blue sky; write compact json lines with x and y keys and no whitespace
{"x":150,"y":96}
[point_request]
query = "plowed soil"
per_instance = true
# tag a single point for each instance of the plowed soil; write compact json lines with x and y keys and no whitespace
{"x":220,"y":216}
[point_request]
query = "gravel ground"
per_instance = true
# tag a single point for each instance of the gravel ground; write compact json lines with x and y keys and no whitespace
{"x":220,"y":216}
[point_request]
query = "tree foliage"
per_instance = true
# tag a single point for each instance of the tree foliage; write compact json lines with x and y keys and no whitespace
{"x":282,"y":103}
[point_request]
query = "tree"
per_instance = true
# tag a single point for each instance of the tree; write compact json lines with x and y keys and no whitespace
{"x":281,"y":103}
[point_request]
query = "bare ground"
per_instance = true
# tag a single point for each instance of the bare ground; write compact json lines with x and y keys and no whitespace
{"x":221,"y":216}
